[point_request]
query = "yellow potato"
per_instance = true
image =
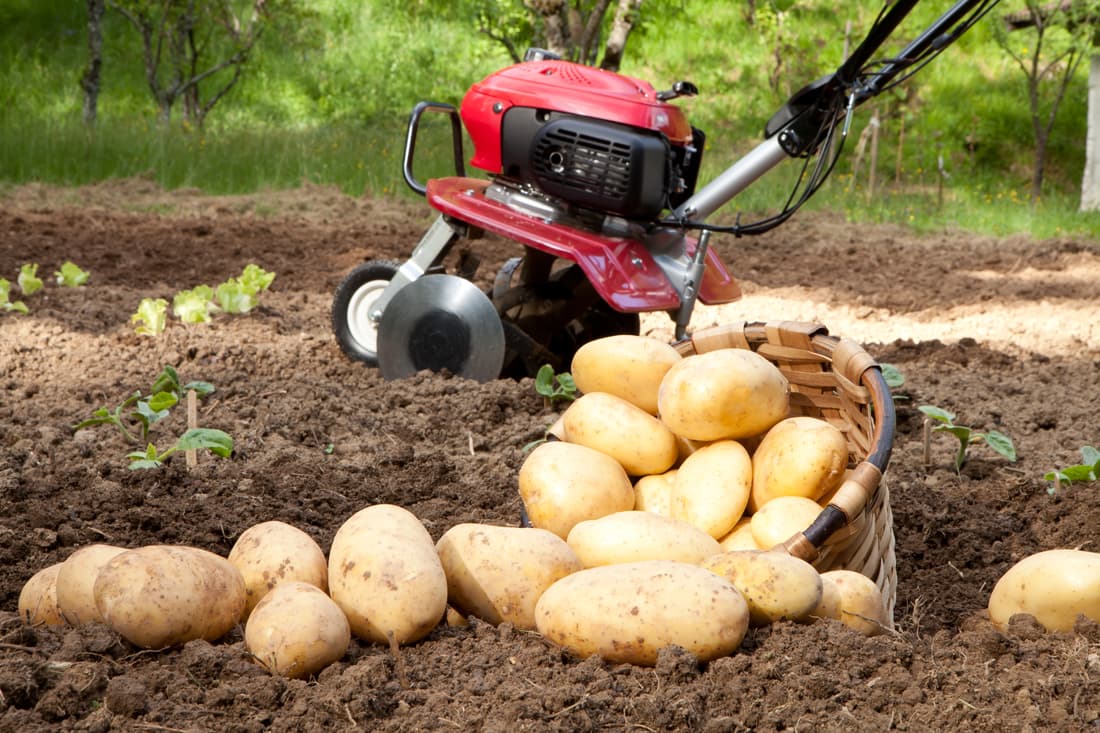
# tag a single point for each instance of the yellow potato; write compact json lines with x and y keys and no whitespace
{"x":861,"y":605}
{"x":723,"y":394}
{"x":782,"y":518}
{"x":740,"y":537}
{"x":637,"y":440}
{"x":776,"y":585}
{"x":633,"y":536}
{"x":629,"y":612}
{"x":498,"y":573}
{"x":296,"y":630}
{"x":625,"y":365}
{"x":829,"y":605}
{"x":1054,"y":586}
{"x":75,"y":581}
{"x":711,"y":488}
{"x":385,"y":575}
{"x":274,"y":552}
{"x":799,"y":456}
{"x":565,"y":483}
{"x":164,"y":595}
{"x":653,"y":493}
{"x":38,"y":599}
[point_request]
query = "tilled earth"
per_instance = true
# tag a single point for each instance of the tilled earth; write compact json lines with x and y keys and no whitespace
{"x":1002,"y":332}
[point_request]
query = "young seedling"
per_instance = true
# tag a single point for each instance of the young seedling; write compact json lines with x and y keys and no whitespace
{"x":241,"y":294}
{"x":215,"y":441}
{"x":5,"y":299}
{"x":1087,"y":470}
{"x":966,"y":436}
{"x":555,"y":387}
{"x":71,"y":276}
{"x":194,"y":305}
{"x":29,"y":282}
{"x":151,"y":317}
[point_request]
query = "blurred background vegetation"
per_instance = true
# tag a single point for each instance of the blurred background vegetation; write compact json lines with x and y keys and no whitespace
{"x":325,"y":93}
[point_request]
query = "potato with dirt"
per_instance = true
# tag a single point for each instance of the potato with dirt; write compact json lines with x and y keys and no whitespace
{"x":384,"y":573}
{"x":776,"y":585}
{"x":1055,"y":586}
{"x":273,"y":552}
{"x":564,"y":483}
{"x":628,"y":613}
{"x":640,"y":442}
{"x":296,"y":630}
{"x":160,"y":596}
{"x":498,"y":573}
{"x":723,"y":394}
{"x":860,"y":605}
{"x":625,"y":365}
{"x":632,"y":536}
{"x":37,"y":602}
{"x":76,"y":582}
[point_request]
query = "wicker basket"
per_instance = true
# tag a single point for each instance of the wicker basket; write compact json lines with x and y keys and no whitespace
{"x":836,"y":380}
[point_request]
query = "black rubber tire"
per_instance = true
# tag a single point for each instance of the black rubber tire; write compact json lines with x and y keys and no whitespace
{"x":353,"y":296}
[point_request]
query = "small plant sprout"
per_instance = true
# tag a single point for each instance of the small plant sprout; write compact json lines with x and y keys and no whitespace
{"x":29,"y":282}
{"x":5,"y":302}
{"x":892,"y":375}
{"x":241,"y":294}
{"x":555,"y":387}
{"x":966,"y":436}
{"x":1087,"y":470}
{"x":194,"y":305}
{"x":71,"y":276}
{"x":151,"y":317}
{"x":217,"y":442}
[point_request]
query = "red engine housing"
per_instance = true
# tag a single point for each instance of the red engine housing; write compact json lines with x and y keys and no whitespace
{"x":562,"y":86}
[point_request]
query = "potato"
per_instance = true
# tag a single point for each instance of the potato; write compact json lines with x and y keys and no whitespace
{"x":498,"y":573}
{"x":75,"y":581}
{"x":829,"y":605}
{"x":626,"y":365}
{"x":384,"y":573}
{"x":273,"y":552}
{"x":799,"y":456}
{"x":711,"y":488}
{"x":782,"y":518}
{"x":296,"y":630}
{"x":629,"y":434}
{"x":629,"y":612}
{"x":164,"y":595}
{"x":740,"y":537}
{"x":633,"y":536}
{"x":776,"y":585}
{"x":723,"y":394}
{"x":565,"y":483}
{"x":653,"y":493}
{"x":1054,"y":586}
{"x":861,"y":605}
{"x":38,"y":599}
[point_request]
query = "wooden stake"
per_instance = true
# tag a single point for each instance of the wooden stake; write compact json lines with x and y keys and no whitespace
{"x":876,"y":122}
{"x":192,"y":423}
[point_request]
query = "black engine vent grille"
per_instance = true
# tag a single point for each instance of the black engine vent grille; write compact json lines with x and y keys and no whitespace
{"x":587,"y":163}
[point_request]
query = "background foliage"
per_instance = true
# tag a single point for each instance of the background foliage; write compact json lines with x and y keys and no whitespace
{"x":325,"y":99}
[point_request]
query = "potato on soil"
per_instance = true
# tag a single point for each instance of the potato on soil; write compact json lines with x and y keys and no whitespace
{"x":711,"y":488}
{"x":384,"y":573}
{"x":1054,"y":586}
{"x":723,"y":394}
{"x":629,"y":612}
{"x":625,"y":365}
{"x":296,"y":630}
{"x":38,"y":598}
{"x":633,"y":536}
{"x":164,"y":595}
{"x":76,"y":579}
{"x":565,"y":483}
{"x":861,"y":605}
{"x":653,"y":493}
{"x":629,"y":434}
{"x":498,"y":573}
{"x":776,"y":585}
{"x":782,"y":518}
{"x":799,"y":456}
{"x":274,"y":552}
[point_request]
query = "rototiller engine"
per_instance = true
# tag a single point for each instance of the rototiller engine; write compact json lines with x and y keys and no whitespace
{"x":594,"y":174}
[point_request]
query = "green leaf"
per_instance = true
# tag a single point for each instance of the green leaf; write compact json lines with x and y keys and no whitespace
{"x":194,"y":305}
{"x":5,"y":290}
{"x":893,"y":376}
{"x":18,"y":306}
{"x":216,"y":441}
{"x":937,"y":413}
{"x":142,"y":459}
{"x":167,"y":381}
{"x":568,"y":386}
{"x":202,"y":389}
{"x":160,"y":402}
{"x":71,"y":276}
{"x":29,"y":283}
{"x":255,"y":279}
{"x":544,"y":381}
{"x":233,"y":298}
{"x":1001,"y":443}
{"x":1078,"y":473}
{"x":1091,"y":456}
{"x":961,"y":432}
{"x":151,"y":316}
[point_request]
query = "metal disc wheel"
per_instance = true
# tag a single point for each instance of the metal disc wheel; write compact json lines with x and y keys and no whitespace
{"x":355,"y":331}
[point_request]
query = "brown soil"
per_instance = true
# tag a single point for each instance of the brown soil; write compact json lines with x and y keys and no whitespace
{"x":1004,"y":332}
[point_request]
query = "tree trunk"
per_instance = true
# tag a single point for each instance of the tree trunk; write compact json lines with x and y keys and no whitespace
{"x":1090,"y":185}
{"x":89,"y":82}
{"x":625,"y":16}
